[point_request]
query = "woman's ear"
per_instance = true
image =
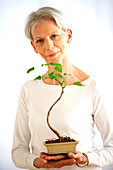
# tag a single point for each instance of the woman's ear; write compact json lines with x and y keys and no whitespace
{"x":69,"y":32}
{"x":32,"y":43}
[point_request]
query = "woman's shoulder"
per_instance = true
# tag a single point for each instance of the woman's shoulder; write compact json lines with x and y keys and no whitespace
{"x":80,"y":74}
{"x":29,"y":84}
{"x":30,"y":87}
{"x":84,"y":77}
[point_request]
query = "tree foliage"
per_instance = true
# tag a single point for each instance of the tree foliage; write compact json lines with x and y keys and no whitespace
{"x":55,"y":75}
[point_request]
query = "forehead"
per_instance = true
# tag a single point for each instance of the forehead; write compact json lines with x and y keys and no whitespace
{"x":47,"y":26}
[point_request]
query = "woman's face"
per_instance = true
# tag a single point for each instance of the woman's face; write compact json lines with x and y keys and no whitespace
{"x":50,"y":41}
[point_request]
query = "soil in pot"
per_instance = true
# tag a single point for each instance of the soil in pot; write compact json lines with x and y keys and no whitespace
{"x":60,"y":140}
{"x":63,"y":145}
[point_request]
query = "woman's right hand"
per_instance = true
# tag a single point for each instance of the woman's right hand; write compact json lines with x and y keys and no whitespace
{"x":53,"y":161}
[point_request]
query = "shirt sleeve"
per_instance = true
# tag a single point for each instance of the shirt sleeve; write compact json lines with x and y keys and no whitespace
{"x":21,"y":155}
{"x":102,"y":120}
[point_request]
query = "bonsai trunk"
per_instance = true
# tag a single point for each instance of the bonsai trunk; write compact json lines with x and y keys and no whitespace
{"x":48,"y":115}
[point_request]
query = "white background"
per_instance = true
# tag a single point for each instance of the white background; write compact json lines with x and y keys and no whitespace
{"x":91,"y":50}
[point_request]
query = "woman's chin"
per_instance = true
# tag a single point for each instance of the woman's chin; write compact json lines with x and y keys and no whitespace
{"x":55,"y":59}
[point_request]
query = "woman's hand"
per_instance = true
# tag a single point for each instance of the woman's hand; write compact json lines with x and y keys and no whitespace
{"x":53,"y":161}
{"x":79,"y":157}
{"x":58,"y":161}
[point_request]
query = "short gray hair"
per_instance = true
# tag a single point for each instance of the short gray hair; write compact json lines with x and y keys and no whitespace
{"x":42,"y":14}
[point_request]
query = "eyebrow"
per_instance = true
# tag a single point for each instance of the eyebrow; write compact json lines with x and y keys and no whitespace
{"x":48,"y":35}
{"x":38,"y":37}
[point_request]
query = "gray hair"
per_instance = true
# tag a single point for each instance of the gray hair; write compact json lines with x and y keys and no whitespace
{"x":42,"y":14}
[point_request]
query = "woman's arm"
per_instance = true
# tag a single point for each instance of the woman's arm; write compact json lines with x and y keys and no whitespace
{"x":103,"y":157}
{"x":21,"y":155}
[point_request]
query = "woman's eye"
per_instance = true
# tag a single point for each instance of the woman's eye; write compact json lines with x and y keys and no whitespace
{"x":39,"y":41}
{"x":54,"y":36}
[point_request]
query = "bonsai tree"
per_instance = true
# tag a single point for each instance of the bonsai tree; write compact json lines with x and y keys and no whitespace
{"x":58,"y":77}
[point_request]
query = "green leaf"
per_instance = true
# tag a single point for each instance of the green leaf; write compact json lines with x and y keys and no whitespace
{"x":55,"y":64}
{"x":63,"y":82}
{"x":58,"y":68}
{"x":38,"y":78}
{"x":44,"y":65}
{"x":31,"y":69}
{"x":52,"y":75}
{"x":78,"y":84}
{"x":60,"y":76}
{"x":67,"y":74}
{"x":52,"y":64}
{"x":45,"y":77}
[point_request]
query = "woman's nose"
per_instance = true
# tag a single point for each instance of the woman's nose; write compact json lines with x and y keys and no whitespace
{"x":49,"y":45}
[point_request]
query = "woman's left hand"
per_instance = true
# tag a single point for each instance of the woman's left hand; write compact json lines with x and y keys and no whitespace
{"x":79,"y":157}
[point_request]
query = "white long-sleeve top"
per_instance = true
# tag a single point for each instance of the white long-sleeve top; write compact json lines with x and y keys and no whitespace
{"x":74,"y":115}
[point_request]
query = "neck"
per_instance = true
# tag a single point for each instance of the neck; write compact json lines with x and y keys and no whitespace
{"x":76,"y":75}
{"x":67,"y":67}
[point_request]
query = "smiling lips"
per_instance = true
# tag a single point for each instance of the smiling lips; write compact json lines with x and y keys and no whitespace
{"x":53,"y":54}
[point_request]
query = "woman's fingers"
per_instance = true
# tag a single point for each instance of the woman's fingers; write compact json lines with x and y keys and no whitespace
{"x":43,"y":154}
{"x":53,"y":157}
{"x":56,"y":157}
{"x":65,"y":162}
{"x":60,"y":163}
{"x":79,"y":157}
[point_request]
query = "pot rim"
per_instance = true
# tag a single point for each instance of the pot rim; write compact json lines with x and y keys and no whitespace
{"x":61,"y":143}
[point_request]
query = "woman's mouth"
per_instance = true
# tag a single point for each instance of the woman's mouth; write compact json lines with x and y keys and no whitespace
{"x":53,"y":54}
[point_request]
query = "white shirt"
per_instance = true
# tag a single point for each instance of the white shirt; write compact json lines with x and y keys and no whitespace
{"x":74,"y":115}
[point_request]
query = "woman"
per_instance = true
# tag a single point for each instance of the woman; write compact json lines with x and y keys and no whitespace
{"x":76,"y":114}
